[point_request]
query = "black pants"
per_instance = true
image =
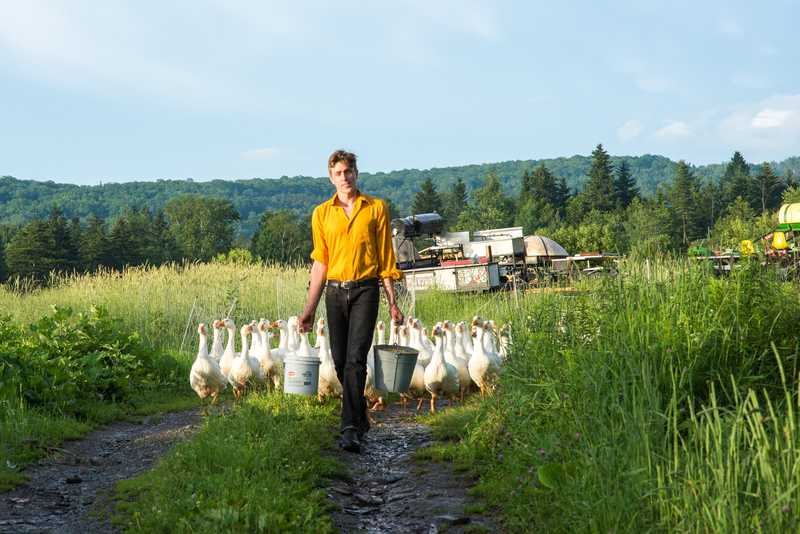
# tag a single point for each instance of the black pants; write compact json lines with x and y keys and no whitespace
{"x":351,"y":321}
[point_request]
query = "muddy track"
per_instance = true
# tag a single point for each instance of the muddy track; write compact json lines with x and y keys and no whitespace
{"x":390,"y":491}
{"x":68,"y":492}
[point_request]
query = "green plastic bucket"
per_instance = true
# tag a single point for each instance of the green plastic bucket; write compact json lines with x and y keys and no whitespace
{"x":301,"y":375}
{"x":394,"y":367}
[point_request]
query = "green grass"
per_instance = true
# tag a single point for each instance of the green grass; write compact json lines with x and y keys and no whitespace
{"x":27,"y":434}
{"x":663,"y":400}
{"x":261,"y":468}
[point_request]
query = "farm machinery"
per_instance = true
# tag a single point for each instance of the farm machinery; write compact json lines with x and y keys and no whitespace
{"x":481,"y":260}
{"x":780,"y":247}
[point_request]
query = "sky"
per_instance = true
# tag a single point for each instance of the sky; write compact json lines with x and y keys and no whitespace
{"x":112,"y":91}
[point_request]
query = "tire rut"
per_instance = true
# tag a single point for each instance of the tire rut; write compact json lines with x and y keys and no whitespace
{"x":68,"y":492}
{"x":389,"y":491}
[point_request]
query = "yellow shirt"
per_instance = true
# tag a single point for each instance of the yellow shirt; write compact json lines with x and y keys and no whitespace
{"x":356,"y":248}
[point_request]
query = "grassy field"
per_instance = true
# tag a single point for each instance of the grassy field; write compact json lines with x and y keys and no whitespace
{"x":664,"y":399}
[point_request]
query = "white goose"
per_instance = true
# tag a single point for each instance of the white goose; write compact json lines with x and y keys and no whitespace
{"x":271,"y":368}
{"x":241,"y":371}
{"x":255,"y":340}
{"x":305,"y":349}
{"x":282,"y":352}
{"x":205,"y":377}
{"x":228,"y":356}
{"x":294,"y":334}
{"x":463,"y":341}
{"x":451,"y":356}
{"x":217,"y":347}
{"x":415,"y":342}
{"x":329,"y":385}
{"x":441,"y":378}
{"x":482,"y":369}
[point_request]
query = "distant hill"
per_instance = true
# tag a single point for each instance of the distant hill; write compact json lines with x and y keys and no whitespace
{"x":22,"y":200}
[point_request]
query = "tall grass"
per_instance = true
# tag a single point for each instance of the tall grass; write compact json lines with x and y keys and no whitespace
{"x":653,"y":402}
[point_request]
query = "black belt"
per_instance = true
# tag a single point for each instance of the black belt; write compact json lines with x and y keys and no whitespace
{"x":352,"y":284}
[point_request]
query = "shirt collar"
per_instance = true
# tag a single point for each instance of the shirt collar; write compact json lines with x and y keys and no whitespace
{"x":360,"y":197}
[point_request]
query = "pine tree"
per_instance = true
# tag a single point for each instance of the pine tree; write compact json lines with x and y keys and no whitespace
{"x":682,"y":197}
{"x":624,"y":185}
{"x":770,"y":188}
{"x":737,"y":182}
{"x":94,"y":245}
{"x":29,"y":253}
{"x":543,"y":185}
{"x":562,"y":195}
{"x":599,"y":191}
{"x":3,"y":270}
{"x":121,"y":253}
{"x":455,"y":201}
{"x":65,"y":253}
{"x":427,"y":199}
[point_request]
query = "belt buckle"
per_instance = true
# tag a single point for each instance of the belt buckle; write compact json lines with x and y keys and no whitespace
{"x":347,"y":284}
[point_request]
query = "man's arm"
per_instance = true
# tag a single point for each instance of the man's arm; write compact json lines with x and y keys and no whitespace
{"x":319,"y":273}
{"x":394,"y":310}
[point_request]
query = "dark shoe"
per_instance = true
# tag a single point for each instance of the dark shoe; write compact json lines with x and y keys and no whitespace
{"x":349,"y":441}
{"x":362,"y":436}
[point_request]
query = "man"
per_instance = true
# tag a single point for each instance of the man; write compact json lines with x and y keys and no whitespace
{"x":353,"y":256}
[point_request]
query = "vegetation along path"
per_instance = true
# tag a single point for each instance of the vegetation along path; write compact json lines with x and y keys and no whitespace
{"x":65,"y":492}
{"x":389,"y":491}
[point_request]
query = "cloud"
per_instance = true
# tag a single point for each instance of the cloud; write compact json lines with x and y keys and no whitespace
{"x":630,"y":130}
{"x":265,"y":153}
{"x":110,"y":50}
{"x":773,"y":118}
{"x":674,"y":130}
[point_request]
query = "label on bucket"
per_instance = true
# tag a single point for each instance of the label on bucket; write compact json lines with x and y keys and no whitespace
{"x":299,"y":379}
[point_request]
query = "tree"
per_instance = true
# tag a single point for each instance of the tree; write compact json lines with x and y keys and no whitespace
{"x":65,"y":254}
{"x":202,"y":227}
{"x":770,"y":188}
{"x":94,"y":245}
{"x":625,"y":188}
{"x":599,"y":191}
{"x":427,"y":199}
{"x":491,"y":208}
{"x":562,"y":195}
{"x":682,"y":198}
{"x":282,"y":237}
{"x":455,"y":201}
{"x":737,"y":182}
{"x":3,"y":271}
{"x":648,"y":228}
{"x":791,"y":195}
{"x":29,"y":253}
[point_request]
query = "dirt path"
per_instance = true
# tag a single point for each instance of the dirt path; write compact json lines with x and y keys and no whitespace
{"x":66,"y":490}
{"x":392,"y":492}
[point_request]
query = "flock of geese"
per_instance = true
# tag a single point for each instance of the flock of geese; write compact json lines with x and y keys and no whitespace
{"x":460,"y":358}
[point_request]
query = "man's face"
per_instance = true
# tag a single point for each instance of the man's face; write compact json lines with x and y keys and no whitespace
{"x":343,"y":178}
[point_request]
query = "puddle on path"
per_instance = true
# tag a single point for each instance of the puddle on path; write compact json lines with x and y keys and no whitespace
{"x":63,"y":488}
{"x":389,"y":491}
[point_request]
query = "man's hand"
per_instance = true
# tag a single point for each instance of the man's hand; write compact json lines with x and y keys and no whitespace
{"x":305,"y":322}
{"x":397,"y":315}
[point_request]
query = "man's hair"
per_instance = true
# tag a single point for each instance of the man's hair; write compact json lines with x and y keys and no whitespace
{"x":345,"y":156}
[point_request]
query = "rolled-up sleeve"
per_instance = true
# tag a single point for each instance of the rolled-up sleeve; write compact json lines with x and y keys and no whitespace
{"x":320,"y":252}
{"x":387,"y":263}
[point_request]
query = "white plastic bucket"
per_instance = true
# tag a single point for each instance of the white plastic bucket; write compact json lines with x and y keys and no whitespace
{"x":301,"y":375}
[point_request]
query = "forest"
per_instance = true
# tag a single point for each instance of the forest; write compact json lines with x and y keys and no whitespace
{"x":638,"y":205}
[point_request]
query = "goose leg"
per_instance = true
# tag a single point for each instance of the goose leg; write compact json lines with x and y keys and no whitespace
{"x":419,"y":403}
{"x":433,"y":403}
